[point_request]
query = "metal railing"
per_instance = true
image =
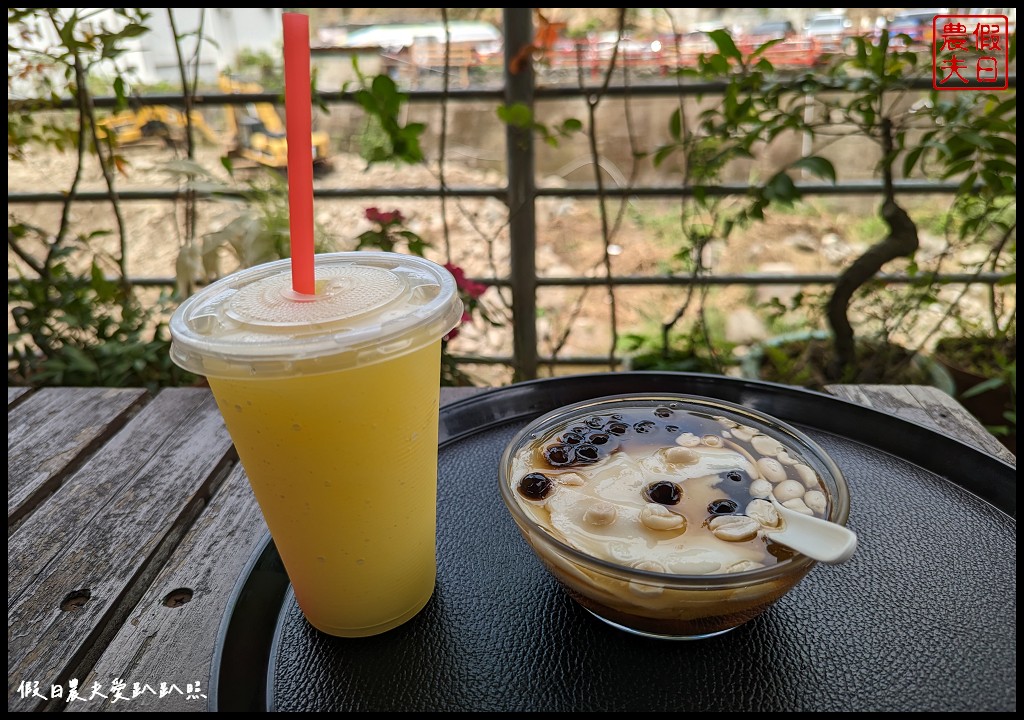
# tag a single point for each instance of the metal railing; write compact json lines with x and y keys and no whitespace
{"x":521,"y":193}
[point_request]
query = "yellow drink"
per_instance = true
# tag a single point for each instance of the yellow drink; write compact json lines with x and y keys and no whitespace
{"x":344,"y":466}
{"x":332,"y":403}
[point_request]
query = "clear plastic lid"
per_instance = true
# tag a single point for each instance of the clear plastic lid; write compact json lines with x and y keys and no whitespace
{"x":368,"y":306}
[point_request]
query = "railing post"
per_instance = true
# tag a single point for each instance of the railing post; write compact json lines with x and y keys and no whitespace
{"x":522,"y":227}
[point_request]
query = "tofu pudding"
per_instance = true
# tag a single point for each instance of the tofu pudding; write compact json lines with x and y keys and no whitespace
{"x":656,"y":512}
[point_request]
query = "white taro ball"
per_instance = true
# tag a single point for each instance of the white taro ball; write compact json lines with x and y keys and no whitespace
{"x":600,"y":513}
{"x":816,"y":501}
{"x":743,"y":566}
{"x":743,"y":433}
{"x":785,"y":458}
{"x":734,"y":528}
{"x":764,"y":512}
{"x":658,"y":517}
{"x":765,"y":445}
{"x":807,"y":476}
{"x":760,"y":488}
{"x":688,"y":439}
{"x":682,"y":455}
{"x":571,"y":479}
{"x":799,"y":505}
{"x":771,"y":469}
{"x":788,"y":490}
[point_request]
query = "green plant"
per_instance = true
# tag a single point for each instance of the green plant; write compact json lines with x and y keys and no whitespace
{"x":688,"y":352}
{"x":756,"y":108}
{"x":260,"y":65}
{"x":387,"y":138}
{"x":76,"y":319}
{"x":521,"y":116}
{"x":970,"y":138}
{"x":86,"y":330}
{"x":1006,"y":378}
{"x":255,"y":233}
{"x":973,"y":141}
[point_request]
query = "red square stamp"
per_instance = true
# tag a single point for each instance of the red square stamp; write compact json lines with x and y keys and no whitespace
{"x":970,"y":52}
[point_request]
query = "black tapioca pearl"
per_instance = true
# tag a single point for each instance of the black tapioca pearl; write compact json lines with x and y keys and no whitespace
{"x":663,"y":412}
{"x":722,"y":506}
{"x":596,"y":422}
{"x":558,"y":455}
{"x":587,"y":453}
{"x":736,"y":476}
{"x":672,"y":428}
{"x":645,"y":426}
{"x":578,"y":429}
{"x":617,"y":428}
{"x":598,"y":438}
{"x":572,"y":438}
{"x":663,"y":492}
{"x":535,"y":486}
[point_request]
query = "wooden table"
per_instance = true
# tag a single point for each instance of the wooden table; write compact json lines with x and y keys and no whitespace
{"x":130,"y":520}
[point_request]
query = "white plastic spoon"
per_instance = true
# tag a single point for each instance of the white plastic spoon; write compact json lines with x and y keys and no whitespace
{"x":821,"y":540}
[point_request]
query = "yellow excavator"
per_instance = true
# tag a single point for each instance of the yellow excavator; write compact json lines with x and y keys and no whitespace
{"x":152,"y":123}
{"x":253,"y":132}
{"x":256,"y":132}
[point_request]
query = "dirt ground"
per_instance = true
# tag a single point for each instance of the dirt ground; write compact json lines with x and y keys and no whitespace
{"x":818,"y":237}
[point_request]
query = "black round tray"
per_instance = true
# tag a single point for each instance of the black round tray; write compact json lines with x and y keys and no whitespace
{"x":923,"y":618}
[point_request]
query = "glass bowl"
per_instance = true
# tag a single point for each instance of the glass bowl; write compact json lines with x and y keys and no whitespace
{"x":652,"y":510}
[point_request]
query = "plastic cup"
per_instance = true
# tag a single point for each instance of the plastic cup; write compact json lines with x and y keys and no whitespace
{"x":332,"y":403}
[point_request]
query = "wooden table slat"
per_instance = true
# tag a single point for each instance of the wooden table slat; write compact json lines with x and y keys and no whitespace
{"x":108,"y":530}
{"x":174,"y":644}
{"x":928,"y":406}
{"x":177,"y":644}
{"x":13,"y":393}
{"x":52,"y":431}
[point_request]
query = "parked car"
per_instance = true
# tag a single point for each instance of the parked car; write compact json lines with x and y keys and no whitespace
{"x":915,"y":24}
{"x":828,"y":30}
{"x":773,"y":30}
{"x":790,"y":49}
{"x":630,"y":48}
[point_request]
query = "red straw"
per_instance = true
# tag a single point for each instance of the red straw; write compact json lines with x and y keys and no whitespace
{"x":298,"y":109}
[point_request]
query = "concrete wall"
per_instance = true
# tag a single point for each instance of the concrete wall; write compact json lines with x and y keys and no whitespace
{"x":477,"y":138}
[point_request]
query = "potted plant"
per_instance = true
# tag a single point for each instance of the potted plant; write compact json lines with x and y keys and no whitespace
{"x":937,"y":137}
{"x":984,"y":370}
{"x":980,"y":351}
{"x":981,"y":355}
{"x":684,"y":352}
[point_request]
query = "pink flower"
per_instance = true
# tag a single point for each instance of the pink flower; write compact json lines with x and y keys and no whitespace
{"x":384,"y":218}
{"x":458,"y":273}
{"x":473,"y":289}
